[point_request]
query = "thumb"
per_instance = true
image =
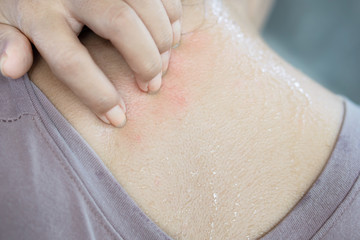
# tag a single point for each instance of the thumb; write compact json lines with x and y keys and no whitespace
{"x":16,"y":55}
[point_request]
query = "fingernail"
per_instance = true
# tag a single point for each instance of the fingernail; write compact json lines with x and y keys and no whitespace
{"x":176,"y":26}
{"x":143,"y":85}
{"x":2,"y":63}
{"x":155,"y":84}
{"x":116,"y":116}
{"x":104,"y":119}
{"x":165,"y":57}
{"x":123,"y":105}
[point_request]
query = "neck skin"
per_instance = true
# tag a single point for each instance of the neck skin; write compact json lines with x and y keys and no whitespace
{"x":230,"y":144}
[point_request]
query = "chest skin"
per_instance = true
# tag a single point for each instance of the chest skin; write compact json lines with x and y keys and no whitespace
{"x":228,"y":146}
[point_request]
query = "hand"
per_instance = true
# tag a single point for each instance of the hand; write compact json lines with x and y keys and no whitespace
{"x":142,"y":31}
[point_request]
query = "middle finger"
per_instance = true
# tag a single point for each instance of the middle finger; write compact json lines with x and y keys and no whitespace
{"x":116,"y":21}
{"x":154,"y":16}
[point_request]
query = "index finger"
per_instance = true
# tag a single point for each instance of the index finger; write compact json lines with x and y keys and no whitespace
{"x":71,"y":63}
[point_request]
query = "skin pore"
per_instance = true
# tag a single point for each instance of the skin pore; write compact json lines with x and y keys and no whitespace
{"x":229,"y":145}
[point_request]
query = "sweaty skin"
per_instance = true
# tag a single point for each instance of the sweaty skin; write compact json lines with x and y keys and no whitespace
{"x":229,"y":145}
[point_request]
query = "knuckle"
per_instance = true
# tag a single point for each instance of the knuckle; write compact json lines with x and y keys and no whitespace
{"x":105,"y":101}
{"x":151,"y":69}
{"x":24,"y":17}
{"x":119,"y":16}
{"x":174,"y":10}
{"x":165,"y":41}
{"x":67,"y":60}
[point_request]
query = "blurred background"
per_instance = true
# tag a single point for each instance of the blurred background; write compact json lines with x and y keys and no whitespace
{"x":321,"y":38}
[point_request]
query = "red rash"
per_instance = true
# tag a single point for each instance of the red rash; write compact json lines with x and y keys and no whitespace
{"x":171,"y":100}
{"x":178,"y":87}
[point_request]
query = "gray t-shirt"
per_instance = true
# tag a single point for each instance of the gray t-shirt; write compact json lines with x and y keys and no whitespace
{"x":53,"y":185}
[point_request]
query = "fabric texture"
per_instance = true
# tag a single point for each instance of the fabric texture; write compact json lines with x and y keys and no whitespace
{"x":330,"y":209}
{"x":54,"y":186}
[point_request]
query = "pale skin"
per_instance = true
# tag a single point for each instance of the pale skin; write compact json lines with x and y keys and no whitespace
{"x":230,"y":144}
{"x":144,"y":32}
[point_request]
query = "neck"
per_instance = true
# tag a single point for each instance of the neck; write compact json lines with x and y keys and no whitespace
{"x":230,"y":114}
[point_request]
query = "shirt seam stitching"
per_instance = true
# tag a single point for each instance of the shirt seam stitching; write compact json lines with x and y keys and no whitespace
{"x":351,"y":200}
{"x":11,"y":120}
{"x":67,"y":170}
{"x":39,"y":117}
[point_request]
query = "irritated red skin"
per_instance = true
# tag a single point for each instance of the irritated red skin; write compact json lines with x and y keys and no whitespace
{"x":177,"y":91}
{"x":172,"y":99}
{"x":190,"y":65}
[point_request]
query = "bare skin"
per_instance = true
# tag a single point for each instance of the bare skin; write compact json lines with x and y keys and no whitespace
{"x":230,"y":144}
{"x":142,"y":31}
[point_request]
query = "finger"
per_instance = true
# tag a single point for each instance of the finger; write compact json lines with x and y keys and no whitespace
{"x":156,"y":20}
{"x":118,"y":22}
{"x":71,"y":63}
{"x":174,"y":11}
{"x":16,"y":53}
